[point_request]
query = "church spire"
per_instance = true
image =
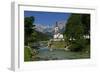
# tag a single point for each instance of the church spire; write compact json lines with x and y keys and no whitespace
{"x":56,"y":24}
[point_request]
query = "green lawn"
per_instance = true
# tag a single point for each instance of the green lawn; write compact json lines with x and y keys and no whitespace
{"x":58,"y":44}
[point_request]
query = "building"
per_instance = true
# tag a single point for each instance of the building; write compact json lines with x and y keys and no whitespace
{"x":57,"y":35}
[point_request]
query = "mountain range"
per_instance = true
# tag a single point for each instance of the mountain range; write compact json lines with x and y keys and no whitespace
{"x":50,"y":29}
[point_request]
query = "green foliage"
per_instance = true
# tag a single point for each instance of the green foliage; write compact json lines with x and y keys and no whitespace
{"x":31,"y":35}
{"x":78,"y":45}
{"x":41,"y":36}
{"x":86,"y":23}
{"x":77,"y":26}
{"x":27,"y":54}
{"x":28,"y":24}
{"x":29,"y":30}
{"x":74,"y":27}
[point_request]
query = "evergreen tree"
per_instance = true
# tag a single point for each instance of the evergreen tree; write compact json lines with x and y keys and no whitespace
{"x":86,"y":23}
{"x":77,"y":26}
{"x":29,"y":30}
{"x":74,"y":27}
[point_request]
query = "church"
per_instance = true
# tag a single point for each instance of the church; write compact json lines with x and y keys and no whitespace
{"x":57,"y":35}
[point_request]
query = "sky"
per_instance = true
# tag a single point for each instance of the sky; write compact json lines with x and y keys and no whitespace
{"x":47,"y":18}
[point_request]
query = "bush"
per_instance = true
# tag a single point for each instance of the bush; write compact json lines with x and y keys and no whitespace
{"x":78,"y":45}
{"x":27,"y":54}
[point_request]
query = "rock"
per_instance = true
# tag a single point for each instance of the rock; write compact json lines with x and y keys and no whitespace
{"x":66,"y":49}
{"x":51,"y":49}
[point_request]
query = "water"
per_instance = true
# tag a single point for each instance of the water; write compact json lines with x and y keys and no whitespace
{"x":59,"y":54}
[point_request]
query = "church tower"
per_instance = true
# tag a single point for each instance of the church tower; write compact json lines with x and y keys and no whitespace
{"x":56,"y":29}
{"x":57,"y":35}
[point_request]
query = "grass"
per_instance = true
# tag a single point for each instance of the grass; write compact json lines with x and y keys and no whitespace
{"x":58,"y":44}
{"x":27,"y":54}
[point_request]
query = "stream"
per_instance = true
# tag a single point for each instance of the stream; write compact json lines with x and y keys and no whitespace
{"x":59,"y":54}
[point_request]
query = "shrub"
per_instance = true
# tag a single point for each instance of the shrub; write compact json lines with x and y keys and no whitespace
{"x":78,"y":45}
{"x":27,"y":54}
